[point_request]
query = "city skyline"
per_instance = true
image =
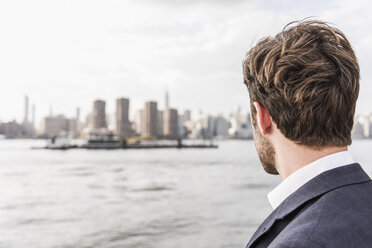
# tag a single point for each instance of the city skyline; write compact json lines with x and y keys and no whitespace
{"x":148,"y":122}
{"x":151,"y":121}
{"x":138,"y":49}
{"x":29,"y":112}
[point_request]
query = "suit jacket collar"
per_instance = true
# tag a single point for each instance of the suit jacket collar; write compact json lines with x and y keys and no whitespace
{"x":321,"y":184}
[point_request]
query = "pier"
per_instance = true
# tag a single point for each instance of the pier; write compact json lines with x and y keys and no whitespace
{"x":127,"y":144}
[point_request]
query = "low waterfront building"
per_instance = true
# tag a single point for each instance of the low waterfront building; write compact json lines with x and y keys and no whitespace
{"x":53,"y":126}
{"x":12,"y":130}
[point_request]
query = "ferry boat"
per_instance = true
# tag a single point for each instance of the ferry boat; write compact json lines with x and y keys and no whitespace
{"x":103,"y":140}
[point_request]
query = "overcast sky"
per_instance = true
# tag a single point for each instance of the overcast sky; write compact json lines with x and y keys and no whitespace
{"x":65,"y":54}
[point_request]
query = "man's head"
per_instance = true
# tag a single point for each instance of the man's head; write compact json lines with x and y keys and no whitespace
{"x":306,"y":79}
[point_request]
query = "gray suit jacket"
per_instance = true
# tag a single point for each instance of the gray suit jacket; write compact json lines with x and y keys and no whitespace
{"x":334,"y":209}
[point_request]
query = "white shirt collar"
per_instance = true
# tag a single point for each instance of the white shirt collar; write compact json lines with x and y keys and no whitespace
{"x":305,"y":174}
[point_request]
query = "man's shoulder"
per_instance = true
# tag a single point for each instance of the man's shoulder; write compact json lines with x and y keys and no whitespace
{"x":357,"y":195}
{"x":331,"y":210}
{"x":342,"y":215}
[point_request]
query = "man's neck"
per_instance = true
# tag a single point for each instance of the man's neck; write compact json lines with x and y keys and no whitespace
{"x":291,"y":157}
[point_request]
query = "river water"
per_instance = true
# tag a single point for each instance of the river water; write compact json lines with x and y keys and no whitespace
{"x":135,"y":198}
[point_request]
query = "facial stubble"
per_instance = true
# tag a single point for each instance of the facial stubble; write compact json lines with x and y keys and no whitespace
{"x":265,"y":150}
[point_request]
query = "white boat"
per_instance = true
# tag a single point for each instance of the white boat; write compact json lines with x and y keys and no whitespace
{"x":61,"y":142}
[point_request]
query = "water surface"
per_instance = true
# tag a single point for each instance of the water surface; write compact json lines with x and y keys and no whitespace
{"x":198,"y":198}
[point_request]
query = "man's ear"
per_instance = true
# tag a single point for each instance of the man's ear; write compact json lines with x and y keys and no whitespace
{"x":264,"y":121}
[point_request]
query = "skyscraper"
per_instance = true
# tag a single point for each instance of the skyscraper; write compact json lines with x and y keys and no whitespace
{"x":150,"y":119}
{"x":122,"y":118}
{"x":138,"y":120}
{"x":171,"y":123}
{"x":33,"y":116}
{"x":160,"y":123}
{"x":28,"y":128}
{"x":25,"y":119}
{"x":187,"y":115}
{"x":99,"y":114}
{"x":77,"y":115}
{"x":166,"y":99}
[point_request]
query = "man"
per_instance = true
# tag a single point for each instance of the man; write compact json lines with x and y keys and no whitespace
{"x":303,"y":86}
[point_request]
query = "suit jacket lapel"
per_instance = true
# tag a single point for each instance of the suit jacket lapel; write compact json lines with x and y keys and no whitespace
{"x":265,"y":226}
{"x":321,"y":184}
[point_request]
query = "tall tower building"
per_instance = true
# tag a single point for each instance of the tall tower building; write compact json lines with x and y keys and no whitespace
{"x":171,"y":123}
{"x":77,"y":122}
{"x":122,"y":118}
{"x":77,"y":115}
{"x":187,"y":115}
{"x":33,"y":116}
{"x":138,"y":120}
{"x":25,"y":119}
{"x":160,"y":123}
{"x":166,"y":99}
{"x":150,"y":119}
{"x":99,"y":114}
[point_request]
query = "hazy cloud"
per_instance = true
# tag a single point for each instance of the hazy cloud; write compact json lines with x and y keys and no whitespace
{"x":81,"y":50}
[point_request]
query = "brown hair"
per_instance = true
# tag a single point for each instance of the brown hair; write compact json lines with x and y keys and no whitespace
{"x":307,"y":77}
